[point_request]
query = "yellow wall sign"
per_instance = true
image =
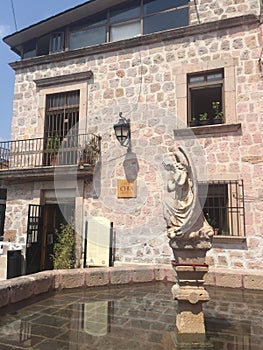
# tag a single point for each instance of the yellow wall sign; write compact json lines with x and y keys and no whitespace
{"x":127,"y":189}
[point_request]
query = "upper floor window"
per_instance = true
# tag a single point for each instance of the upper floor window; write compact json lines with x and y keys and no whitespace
{"x":125,"y":21}
{"x":134,"y":17}
{"x":62,"y":113}
{"x":89,"y":33}
{"x":61,"y":122}
{"x":163,"y":15}
{"x":205,"y":98}
{"x":56,"y":42}
{"x":44,"y":45}
{"x":29,"y":49}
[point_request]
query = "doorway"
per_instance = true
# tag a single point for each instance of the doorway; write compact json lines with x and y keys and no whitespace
{"x":44,"y":222}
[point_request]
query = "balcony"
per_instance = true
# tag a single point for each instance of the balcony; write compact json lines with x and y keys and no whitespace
{"x":40,"y":157}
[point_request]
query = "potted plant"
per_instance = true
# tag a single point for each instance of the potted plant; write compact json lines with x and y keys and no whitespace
{"x":194,"y":121}
{"x":203,"y":118}
{"x":64,"y":248}
{"x":212,"y":223}
{"x":218,"y":114}
{"x":53,"y":144}
{"x":89,"y":152}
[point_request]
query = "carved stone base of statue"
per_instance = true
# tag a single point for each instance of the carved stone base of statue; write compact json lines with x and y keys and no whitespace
{"x":190,"y":268}
{"x":191,"y":294}
{"x":190,"y":252}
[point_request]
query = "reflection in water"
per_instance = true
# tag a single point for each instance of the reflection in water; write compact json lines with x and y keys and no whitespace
{"x":128,"y":317}
{"x":95,"y":317}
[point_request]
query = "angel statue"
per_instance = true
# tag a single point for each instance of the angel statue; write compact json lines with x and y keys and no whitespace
{"x":182,"y":212}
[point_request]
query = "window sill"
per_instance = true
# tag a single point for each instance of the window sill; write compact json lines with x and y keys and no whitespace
{"x":209,"y":130}
{"x":229,"y":239}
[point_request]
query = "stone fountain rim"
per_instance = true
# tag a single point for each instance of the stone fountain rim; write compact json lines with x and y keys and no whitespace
{"x":24,"y":287}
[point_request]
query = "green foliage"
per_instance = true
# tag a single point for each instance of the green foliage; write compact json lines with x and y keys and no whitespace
{"x":64,"y":248}
{"x":211,"y":221}
{"x":203,"y":116}
{"x":218,"y":114}
{"x":53,"y":144}
{"x":90,"y":151}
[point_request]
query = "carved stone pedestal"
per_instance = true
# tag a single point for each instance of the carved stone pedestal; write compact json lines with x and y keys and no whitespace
{"x":190,"y":293}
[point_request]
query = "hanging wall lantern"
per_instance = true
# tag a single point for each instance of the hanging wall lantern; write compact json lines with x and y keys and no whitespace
{"x":123,"y":131}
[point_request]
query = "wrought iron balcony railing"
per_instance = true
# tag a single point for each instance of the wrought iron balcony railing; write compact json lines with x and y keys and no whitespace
{"x":50,"y":151}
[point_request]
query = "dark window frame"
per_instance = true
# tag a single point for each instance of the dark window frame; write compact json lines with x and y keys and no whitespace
{"x":202,"y":94}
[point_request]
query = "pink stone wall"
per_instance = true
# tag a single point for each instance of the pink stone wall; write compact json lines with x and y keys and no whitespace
{"x":210,"y":10}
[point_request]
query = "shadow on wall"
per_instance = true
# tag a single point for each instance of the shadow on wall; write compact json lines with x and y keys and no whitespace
{"x":131,"y":166}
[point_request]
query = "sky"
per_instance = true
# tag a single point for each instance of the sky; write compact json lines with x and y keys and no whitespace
{"x":27,"y":12}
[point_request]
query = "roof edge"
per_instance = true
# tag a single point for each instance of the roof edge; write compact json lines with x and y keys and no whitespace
{"x":59,"y":20}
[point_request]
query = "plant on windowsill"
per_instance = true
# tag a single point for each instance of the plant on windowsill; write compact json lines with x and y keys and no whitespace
{"x":64,"y":248}
{"x":53,"y":144}
{"x":212,"y":223}
{"x":203,"y":119}
{"x":218,"y":114}
{"x":194,"y":121}
{"x":89,"y":152}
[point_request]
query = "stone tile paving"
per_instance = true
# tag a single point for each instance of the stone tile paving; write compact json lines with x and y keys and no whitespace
{"x":130,"y":317}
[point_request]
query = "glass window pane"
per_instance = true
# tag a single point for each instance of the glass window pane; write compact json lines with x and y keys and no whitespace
{"x":30,"y":50}
{"x":125,"y":12}
{"x":196,"y":79}
{"x":56,"y":42}
{"x":30,"y":53}
{"x":87,"y":37}
{"x":202,"y":98}
{"x":160,"y":5}
{"x":164,"y":21}
{"x":215,"y":76}
{"x":43,"y":45}
{"x":125,"y":30}
{"x":97,"y":21}
{"x":72,"y":98}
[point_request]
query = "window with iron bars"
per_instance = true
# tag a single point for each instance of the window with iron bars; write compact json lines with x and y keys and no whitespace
{"x":61,"y":128}
{"x":223,"y":206}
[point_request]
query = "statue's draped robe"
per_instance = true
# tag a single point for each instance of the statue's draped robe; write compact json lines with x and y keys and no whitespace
{"x":178,"y":207}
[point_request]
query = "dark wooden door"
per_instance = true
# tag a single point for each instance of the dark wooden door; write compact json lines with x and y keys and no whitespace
{"x":54,"y":215}
{"x":34,"y":238}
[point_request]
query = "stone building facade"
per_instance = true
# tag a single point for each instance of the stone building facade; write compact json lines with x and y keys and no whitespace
{"x":147,"y":78}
